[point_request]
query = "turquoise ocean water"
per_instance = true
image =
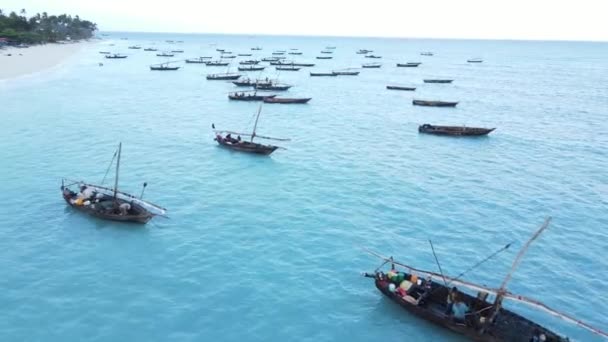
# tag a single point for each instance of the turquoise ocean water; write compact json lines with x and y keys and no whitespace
{"x":268,"y":249}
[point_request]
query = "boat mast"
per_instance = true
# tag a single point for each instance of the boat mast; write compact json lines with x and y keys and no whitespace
{"x":502,"y":290}
{"x":117,"y":169}
{"x":256,"y":123}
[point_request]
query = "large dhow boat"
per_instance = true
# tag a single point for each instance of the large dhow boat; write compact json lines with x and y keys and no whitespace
{"x":475,"y":317}
{"x":109,"y":203}
{"x":226,"y":139}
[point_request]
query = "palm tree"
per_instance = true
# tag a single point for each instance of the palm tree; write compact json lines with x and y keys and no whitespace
{"x":23,"y":12}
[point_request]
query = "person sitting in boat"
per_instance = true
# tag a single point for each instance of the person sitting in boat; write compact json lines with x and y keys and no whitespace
{"x":86,"y":192}
{"x":450,"y":300}
{"x":67,"y":193}
{"x":124,"y":208}
{"x":238,"y":138}
{"x":459,"y":309}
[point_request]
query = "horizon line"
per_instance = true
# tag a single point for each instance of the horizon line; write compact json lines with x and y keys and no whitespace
{"x":363,"y":37}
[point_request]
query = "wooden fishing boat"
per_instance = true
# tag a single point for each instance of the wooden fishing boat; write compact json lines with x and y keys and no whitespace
{"x":251,"y":68}
{"x":373,"y":56}
{"x":303,"y":64}
{"x":135,"y":47}
{"x":226,"y":76}
{"x":249,"y":62}
{"x":199,"y":60}
{"x":225,"y":139}
{"x":104,"y":52}
{"x":394,"y":87}
{"x":286,"y":100}
{"x":246,"y":82}
{"x":226,"y":52}
{"x":484,"y":320}
{"x":346,"y":72}
{"x":475,"y":60}
{"x":164,"y":54}
{"x":257,"y":48}
{"x":244,"y":55}
{"x":295,"y":53}
{"x":110,"y":203}
{"x":364,"y":51}
{"x":280,"y":62}
{"x":325,"y":51}
{"x":437,"y":81}
{"x":426,"y":54}
{"x":288,"y":68}
{"x":163,"y":67}
{"x":371,"y":65}
{"x":217,"y":63}
{"x":323,"y":74}
{"x":272,"y":86}
{"x":458,"y":131}
{"x":150,"y":49}
{"x":278,"y":53}
{"x":324,"y":57}
{"x":116,"y":56}
{"x":270,"y":59}
{"x":177,"y":51}
{"x":408,"y":65}
{"x":242,"y":96}
{"x":229,"y":56}
{"x":330,"y":47}
{"x":427,"y":103}
{"x":220,"y":50}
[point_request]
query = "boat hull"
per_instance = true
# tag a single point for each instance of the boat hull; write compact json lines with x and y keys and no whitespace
{"x":457,"y":131}
{"x":286,"y":100}
{"x":139,"y":214}
{"x":400,"y":88}
{"x":433,"y":103}
{"x":247,"y":147}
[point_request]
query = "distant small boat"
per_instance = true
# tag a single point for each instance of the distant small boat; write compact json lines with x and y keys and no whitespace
{"x":220,"y":50}
{"x":272,"y":86}
{"x":244,"y":55}
{"x":373,"y":56}
{"x":278,"y":53}
{"x":242,"y":96}
{"x":330,"y":47}
{"x":323,"y":74}
{"x":324,"y":57}
{"x":135,"y":47}
{"x":150,"y":49}
{"x":246,"y":82}
{"x":177,"y":51}
{"x":104,"y":52}
{"x":270,"y":59}
{"x":217,"y":63}
{"x":434,"y":103}
{"x":164,"y":54}
{"x":286,"y":100}
{"x":437,"y":81}
{"x":303,"y":64}
{"x":226,"y":52}
{"x":199,"y":60}
{"x":249,"y":62}
{"x":346,"y":72}
{"x":408,"y":65}
{"x":363,"y":51}
{"x":475,"y":60}
{"x":371,"y":65}
{"x":251,"y":68}
{"x":225,"y":139}
{"x":426,"y":54}
{"x":288,"y":68}
{"x":257,"y":48}
{"x":327,"y":51}
{"x":400,"y":88}
{"x":116,"y":56}
{"x":163,"y":67}
{"x":223,"y":76}
{"x":454,"y":130}
{"x":295,"y":53}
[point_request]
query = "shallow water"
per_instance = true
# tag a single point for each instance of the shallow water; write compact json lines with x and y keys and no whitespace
{"x":265,"y":249}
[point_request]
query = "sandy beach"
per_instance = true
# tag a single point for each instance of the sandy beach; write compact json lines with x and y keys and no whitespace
{"x":35,"y":58}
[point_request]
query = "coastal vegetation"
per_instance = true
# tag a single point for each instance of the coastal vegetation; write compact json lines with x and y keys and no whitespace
{"x":43,"y":28}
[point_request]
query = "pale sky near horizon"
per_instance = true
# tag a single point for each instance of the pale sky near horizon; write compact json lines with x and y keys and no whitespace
{"x":483,"y":19}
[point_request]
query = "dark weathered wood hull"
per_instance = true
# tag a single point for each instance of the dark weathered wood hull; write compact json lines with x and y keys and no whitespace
{"x":286,"y":100}
{"x":457,"y":131}
{"x":438,"y":81}
{"x":323,"y":74}
{"x":223,"y":77}
{"x":249,"y":97}
{"x":400,"y":88}
{"x":408,"y":65}
{"x":434,"y":103}
{"x":248,"y":147}
{"x":164,"y":68}
{"x":140,"y":215}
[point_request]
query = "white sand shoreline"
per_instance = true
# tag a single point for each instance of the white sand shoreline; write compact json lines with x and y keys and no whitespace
{"x":36,"y":58}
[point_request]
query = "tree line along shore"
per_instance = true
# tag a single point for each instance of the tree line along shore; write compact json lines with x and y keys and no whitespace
{"x":18,"y":29}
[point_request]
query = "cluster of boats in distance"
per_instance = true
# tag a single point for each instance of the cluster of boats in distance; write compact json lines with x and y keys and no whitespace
{"x":262,"y":90}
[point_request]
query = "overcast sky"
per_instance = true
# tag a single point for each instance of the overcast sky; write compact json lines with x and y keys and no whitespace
{"x":487,"y":19}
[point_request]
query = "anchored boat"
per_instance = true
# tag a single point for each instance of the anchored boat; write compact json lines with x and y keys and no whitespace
{"x":454,"y":130}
